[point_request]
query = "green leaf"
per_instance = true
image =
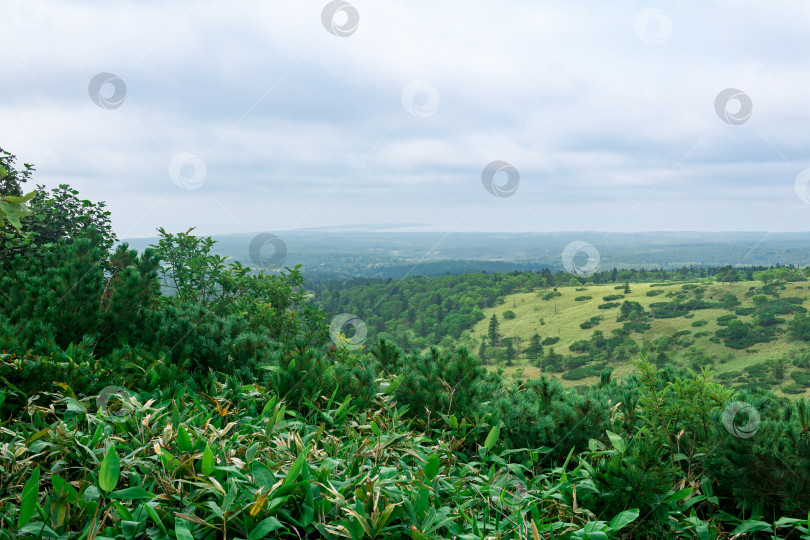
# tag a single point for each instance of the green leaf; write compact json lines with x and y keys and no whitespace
{"x":295,"y":469}
{"x":785,"y":521}
{"x":678,"y":495}
{"x":492,"y":438}
{"x":616,"y":441}
{"x":183,"y":440}
{"x":181,"y":530}
{"x":39,"y":530}
{"x":262,"y":476}
{"x":110,"y":470}
{"x":97,"y":435}
{"x":29,"y":497}
{"x":251,"y":452}
{"x":264,"y":527}
{"x":394,"y":384}
{"x":175,"y":415}
{"x":153,"y":514}
{"x":123,"y":511}
{"x":63,"y":489}
{"x":432,"y":467}
{"x":208,"y":461}
{"x":703,"y":532}
{"x":136,"y":492}
{"x":375,"y":428}
{"x":752,"y":525}
{"x":168,"y":460}
{"x":91,"y":494}
{"x":216,"y":509}
{"x":623,"y":519}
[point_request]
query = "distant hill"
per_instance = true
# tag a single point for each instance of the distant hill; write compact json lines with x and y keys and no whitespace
{"x":687,"y":338}
{"x":340,"y":254}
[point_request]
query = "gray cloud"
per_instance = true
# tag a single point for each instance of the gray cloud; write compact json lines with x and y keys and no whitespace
{"x":300,"y":128}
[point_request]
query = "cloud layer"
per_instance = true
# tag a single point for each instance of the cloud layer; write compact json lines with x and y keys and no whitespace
{"x":607,"y":112}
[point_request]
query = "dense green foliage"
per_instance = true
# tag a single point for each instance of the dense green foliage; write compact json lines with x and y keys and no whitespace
{"x":220,"y":411}
{"x":418,"y":312}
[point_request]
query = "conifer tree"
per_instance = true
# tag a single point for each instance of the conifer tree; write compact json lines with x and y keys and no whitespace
{"x":535,"y":349}
{"x":510,"y":353}
{"x":493,"y":330}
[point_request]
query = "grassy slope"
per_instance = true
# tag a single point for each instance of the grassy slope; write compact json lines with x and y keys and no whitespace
{"x":564,"y":323}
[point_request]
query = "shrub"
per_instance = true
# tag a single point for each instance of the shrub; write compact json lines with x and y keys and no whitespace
{"x":583,"y":345}
{"x":723,"y":320}
{"x":611,"y":297}
{"x":669,"y":310}
{"x":609,"y":305}
{"x":576,"y":361}
{"x":590,"y":323}
{"x":699,"y":323}
{"x":740,"y":335}
{"x":581,"y":373}
{"x":582,"y":298}
{"x":802,"y":378}
{"x":640,"y":327}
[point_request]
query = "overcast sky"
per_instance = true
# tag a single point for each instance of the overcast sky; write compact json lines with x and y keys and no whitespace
{"x":275,"y":115}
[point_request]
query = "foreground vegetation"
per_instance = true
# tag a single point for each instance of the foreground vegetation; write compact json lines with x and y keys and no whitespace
{"x":222,"y":411}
